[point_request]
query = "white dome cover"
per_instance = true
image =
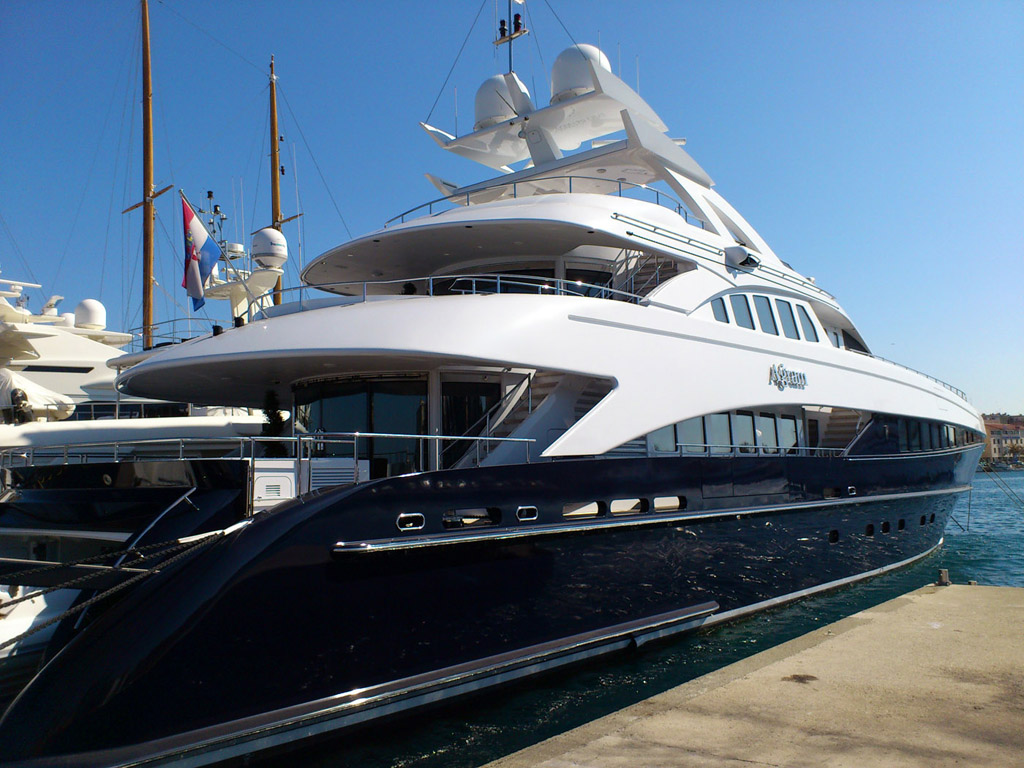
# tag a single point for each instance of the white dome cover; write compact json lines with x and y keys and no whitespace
{"x":91,"y":315}
{"x":269,"y":248}
{"x":493,"y":103}
{"x":570,"y":76}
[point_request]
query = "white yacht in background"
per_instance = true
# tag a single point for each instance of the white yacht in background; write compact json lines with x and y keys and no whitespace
{"x":567,"y":411}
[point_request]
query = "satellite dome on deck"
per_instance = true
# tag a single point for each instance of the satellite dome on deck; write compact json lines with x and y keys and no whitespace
{"x":570,"y":76}
{"x":493,"y":102}
{"x":91,"y":315}
{"x":269,"y":248}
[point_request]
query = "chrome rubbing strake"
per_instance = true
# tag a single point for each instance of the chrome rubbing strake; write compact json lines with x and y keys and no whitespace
{"x":441,"y":539}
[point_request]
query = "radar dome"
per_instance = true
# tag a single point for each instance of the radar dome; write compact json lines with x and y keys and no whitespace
{"x":67,"y":320}
{"x":493,"y":102}
{"x":570,"y":77}
{"x":91,"y":315}
{"x":269,"y":248}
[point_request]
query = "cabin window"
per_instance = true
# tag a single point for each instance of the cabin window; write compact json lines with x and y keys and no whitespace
{"x":786,"y":318}
{"x":833,"y":336}
{"x":718,"y":307}
{"x":669,"y":503}
{"x":743,"y":431}
{"x":926,"y":437}
{"x":719,"y":436}
{"x":904,"y":436}
{"x":764,"y":315}
{"x":934,"y":429}
{"x":914,"y":434}
{"x":691,"y":435}
{"x":767,"y":435}
{"x":664,"y":440}
{"x":807,"y":324}
{"x":787,"y":433}
{"x":812,"y":433}
{"x":741,"y":310}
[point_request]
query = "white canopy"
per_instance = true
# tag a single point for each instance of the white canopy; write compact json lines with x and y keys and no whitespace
{"x":44,"y":403}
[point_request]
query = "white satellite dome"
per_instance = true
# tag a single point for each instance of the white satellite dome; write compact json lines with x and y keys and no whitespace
{"x":570,"y":76}
{"x":91,"y":315}
{"x":493,"y":103}
{"x":67,"y":320}
{"x":269,"y":248}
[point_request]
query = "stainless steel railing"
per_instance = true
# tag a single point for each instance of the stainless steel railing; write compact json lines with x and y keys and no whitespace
{"x":529,"y":188}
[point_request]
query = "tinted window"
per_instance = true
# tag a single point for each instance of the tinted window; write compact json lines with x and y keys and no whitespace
{"x":741,"y":310}
{"x":935,"y":436}
{"x":904,"y":437}
{"x":786,"y":318}
{"x":926,"y":441}
{"x":805,"y":322}
{"x":914,"y":433}
{"x":743,"y":424}
{"x":766,"y":434}
{"x":664,"y":439}
{"x":691,"y":435}
{"x":764,"y":315}
{"x":787,"y":432}
{"x":716,"y":427}
{"x":718,"y":307}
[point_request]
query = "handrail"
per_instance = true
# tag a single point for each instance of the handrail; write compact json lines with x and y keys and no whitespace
{"x":485,"y":283}
{"x":959,"y":392}
{"x":619,"y":187}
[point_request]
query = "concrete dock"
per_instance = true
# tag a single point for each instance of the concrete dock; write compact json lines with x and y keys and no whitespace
{"x":933,"y":678}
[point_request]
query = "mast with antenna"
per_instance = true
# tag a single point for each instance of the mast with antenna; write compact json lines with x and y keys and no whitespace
{"x":275,"y":167}
{"x":506,"y":36}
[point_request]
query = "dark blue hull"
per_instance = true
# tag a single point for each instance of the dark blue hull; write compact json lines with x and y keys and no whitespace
{"x":355,"y":603}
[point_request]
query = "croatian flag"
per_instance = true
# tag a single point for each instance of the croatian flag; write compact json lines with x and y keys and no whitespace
{"x":201,"y":254}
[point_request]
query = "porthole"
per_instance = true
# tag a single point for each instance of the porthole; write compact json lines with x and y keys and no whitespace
{"x":669,"y":503}
{"x":851,"y":490}
{"x":932,"y":518}
{"x":581,"y":510}
{"x":628,"y":506}
{"x":833,"y":536}
{"x":869,"y":529}
{"x":410,"y":521}
{"x":923,"y":520}
{"x":831,"y":493}
{"x":473,"y":517}
{"x":526,"y":514}
{"x":885,"y":527}
{"x":901,"y":524}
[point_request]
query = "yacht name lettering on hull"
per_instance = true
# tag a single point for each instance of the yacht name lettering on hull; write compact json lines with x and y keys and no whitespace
{"x":782,"y":378}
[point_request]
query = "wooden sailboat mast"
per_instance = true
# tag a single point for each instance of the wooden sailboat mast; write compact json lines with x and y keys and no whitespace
{"x":275,"y":167}
{"x":149,"y":210}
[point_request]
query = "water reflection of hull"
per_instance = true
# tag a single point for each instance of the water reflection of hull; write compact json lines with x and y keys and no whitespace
{"x":324,"y":613}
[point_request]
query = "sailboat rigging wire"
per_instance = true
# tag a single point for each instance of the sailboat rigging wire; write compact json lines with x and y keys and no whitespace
{"x":457,"y":56}
{"x":313,"y":158}
{"x":263,"y":146}
{"x":536,"y":41}
{"x":217,"y":40}
{"x":17,"y":251}
{"x":575,"y":44}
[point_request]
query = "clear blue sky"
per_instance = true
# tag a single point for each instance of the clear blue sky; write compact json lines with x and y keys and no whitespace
{"x":875,"y":145}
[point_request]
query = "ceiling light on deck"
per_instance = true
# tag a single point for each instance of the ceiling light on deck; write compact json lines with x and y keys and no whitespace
{"x":602,"y":170}
{"x":378,"y":273}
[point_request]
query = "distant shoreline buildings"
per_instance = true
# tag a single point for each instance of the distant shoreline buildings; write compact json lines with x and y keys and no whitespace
{"x":1004,"y":437}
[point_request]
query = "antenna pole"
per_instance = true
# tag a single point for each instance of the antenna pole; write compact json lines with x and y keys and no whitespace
{"x":510,"y":39}
{"x":275,"y":167}
{"x":149,"y":210}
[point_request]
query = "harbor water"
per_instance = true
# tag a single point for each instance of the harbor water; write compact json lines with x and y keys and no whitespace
{"x":984,"y":542}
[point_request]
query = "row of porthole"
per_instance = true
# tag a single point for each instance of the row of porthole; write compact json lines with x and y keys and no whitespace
{"x":869,"y":529}
{"x":480,"y":517}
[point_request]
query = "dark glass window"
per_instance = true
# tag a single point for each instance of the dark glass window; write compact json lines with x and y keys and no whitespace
{"x":935,"y":436}
{"x":718,"y":307}
{"x":589,"y":282}
{"x":463,"y":407}
{"x":786,"y":318}
{"x":764,"y":315}
{"x":664,"y":439}
{"x":788,"y":434}
{"x":741,"y":310}
{"x":691,"y":435}
{"x":914,"y":434}
{"x":926,"y":437}
{"x":743,"y":430}
{"x":767,"y":435}
{"x":810,"y":334}
{"x":719,"y":436}
{"x":904,"y":436}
